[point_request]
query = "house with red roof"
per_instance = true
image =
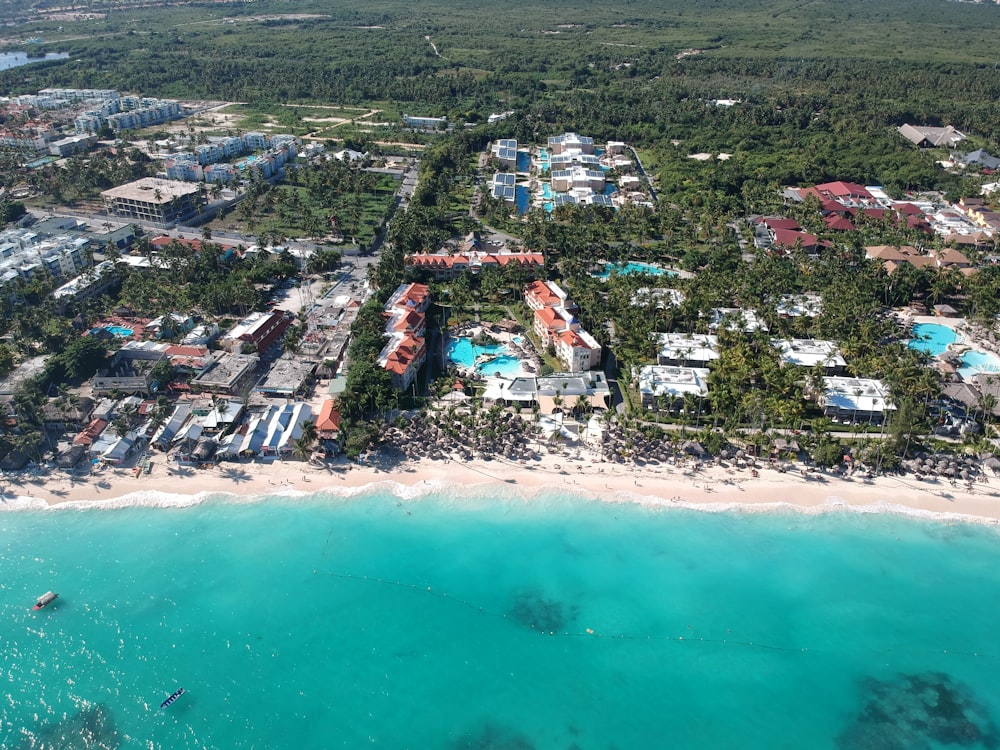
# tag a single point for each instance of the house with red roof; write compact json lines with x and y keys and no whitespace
{"x":836,"y":223}
{"x":328,"y":421}
{"x":787,"y":239}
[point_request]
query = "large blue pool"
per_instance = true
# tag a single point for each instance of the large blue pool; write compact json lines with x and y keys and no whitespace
{"x":932,"y":338}
{"x":632,"y":267}
{"x":493,"y":358}
{"x":522,"y":198}
{"x":976,"y":362}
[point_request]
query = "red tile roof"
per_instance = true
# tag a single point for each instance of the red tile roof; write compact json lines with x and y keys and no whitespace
{"x":329,"y":417}
{"x":540,"y":292}
{"x":838,"y":223}
{"x":788,"y":238}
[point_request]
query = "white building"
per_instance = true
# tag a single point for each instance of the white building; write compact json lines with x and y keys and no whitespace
{"x":811,"y":352}
{"x":659,"y":383}
{"x":854,"y":400}
{"x":687,"y":349}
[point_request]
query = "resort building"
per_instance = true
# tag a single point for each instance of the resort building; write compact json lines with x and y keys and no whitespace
{"x":569,"y":142}
{"x":406,"y":350}
{"x":541,"y":294}
{"x":257,"y":332}
{"x":27,"y":252}
{"x":88,"y":285}
{"x":565,"y":180}
{"x":807,"y":305}
{"x":659,"y":297}
{"x":574,"y":159}
{"x":445,"y":266}
{"x":161,"y":202}
{"x":811,"y":353}
{"x":735,"y":319}
{"x":929,"y":137}
{"x":426,"y":123}
{"x":506,"y":152}
{"x":562,"y":391}
{"x":666,"y":387}
{"x":127,"y":113}
{"x":687,"y":349}
{"x":576,"y":348}
{"x":502,"y":187}
{"x":855,"y":400}
{"x":556,"y":325}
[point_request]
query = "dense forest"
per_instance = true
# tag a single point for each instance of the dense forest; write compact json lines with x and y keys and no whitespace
{"x":822,"y":85}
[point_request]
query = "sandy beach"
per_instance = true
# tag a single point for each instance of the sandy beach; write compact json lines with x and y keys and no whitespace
{"x":708,"y":486}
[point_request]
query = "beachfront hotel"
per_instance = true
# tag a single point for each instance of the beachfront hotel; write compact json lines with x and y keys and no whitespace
{"x":556,"y":325}
{"x":406,"y":350}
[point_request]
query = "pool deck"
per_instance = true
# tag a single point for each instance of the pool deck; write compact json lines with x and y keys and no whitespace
{"x":970,"y":337}
{"x":523,"y":352}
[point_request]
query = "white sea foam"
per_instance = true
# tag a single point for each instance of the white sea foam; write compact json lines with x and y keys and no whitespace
{"x":492,"y":491}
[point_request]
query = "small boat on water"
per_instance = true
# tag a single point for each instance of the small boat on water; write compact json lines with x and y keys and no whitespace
{"x":173,"y":697}
{"x":45,"y":600}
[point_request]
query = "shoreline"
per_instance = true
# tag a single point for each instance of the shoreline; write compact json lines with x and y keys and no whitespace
{"x":706,"y":488}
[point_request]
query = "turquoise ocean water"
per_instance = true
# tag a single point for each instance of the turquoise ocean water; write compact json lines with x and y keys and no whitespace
{"x":450,"y":622}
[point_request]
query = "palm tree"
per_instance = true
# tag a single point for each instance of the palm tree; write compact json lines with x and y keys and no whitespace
{"x":302,"y":449}
{"x":309,"y":431}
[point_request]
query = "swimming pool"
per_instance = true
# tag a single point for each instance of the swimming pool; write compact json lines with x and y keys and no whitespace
{"x":932,"y":338}
{"x":505,"y":366}
{"x":522,"y":199}
{"x":121,"y":331}
{"x":493,"y":358}
{"x":632,"y":267}
{"x":975,"y":362}
{"x":523,"y":161}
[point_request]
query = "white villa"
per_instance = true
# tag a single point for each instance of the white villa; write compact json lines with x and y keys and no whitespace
{"x":660,"y":382}
{"x":811,"y":352}
{"x":687,"y":349}
{"x":855,"y":400}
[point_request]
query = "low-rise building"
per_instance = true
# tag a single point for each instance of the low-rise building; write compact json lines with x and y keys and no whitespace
{"x":505,"y":150}
{"x":811,"y":353}
{"x":687,"y":349}
{"x":228,"y":375}
{"x":446,"y":266}
{"x":856,"y":400}
{"x":561,"y":391}
{"x":426,"y":123}
{"x":568,"y":142}
{"x":287,"y":376}
{"x":565,"y":180}
{"x":405,"y":351}
{"x":502,"y":187}
{"x":666,"y":387}
{"x":735,"y":319}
